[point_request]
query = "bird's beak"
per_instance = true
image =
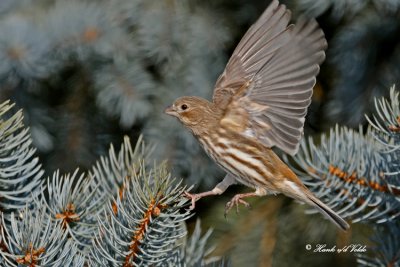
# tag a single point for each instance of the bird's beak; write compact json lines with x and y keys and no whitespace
{"x":170,"y":111}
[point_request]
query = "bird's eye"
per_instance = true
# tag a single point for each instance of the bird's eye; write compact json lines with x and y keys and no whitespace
{"x":184,"y":107}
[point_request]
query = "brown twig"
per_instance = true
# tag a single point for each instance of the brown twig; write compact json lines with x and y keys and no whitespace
{"x":31,"y":256}
{"x":68,"y":216}
{"x":353,"y":178}
{"x":153,"y":210}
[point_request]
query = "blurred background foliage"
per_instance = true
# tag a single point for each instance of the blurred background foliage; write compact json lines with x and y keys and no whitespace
{"x":86,"y":73}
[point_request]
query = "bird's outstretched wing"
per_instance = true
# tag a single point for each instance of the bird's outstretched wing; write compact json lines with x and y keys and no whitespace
{"x":266,"y":87}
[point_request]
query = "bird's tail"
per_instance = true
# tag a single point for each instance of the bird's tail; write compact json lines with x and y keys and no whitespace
{"x":295,"y":189}
{"x":325,"y":210}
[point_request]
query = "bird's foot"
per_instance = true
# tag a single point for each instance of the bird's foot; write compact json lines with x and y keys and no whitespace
{"x":235,"y":201}
{"x":193,"y":198}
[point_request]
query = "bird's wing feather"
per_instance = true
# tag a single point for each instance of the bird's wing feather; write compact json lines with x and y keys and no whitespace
{"x":266,"y":87}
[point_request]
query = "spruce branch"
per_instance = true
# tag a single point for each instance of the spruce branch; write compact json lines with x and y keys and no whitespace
{"x":127,"y":211}
{"x":143,"y":219}
{"x":146,"y":224}
{"x":195,"y":250}
{"x":34,"y":239}
{"x":73,"y":201}
{"x":358,"y":174}
{"x":20,"y":171}
{"x":110,"y":172}
{"x":387,"y":117}
{"x":195,"y":246}
{"x":386,"y":250}
{"x":348,"y":171}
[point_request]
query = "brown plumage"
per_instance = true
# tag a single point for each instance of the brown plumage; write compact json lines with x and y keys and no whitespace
{"x":260,"y":101}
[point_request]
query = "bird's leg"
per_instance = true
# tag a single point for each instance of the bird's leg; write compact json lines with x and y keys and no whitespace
{"x":238,"y":199}
{"x":218,"y":190}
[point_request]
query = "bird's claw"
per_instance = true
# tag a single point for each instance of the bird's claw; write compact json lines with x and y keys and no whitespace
{"x":192,"y":197}
{"x":235,"y":201}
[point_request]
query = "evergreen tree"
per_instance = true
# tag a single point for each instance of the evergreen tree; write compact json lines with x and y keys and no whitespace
{"x":127,"y":211}
{"x":88,"y":73}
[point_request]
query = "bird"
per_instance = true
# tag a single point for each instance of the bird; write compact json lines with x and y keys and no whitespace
{"x":260,"y":102}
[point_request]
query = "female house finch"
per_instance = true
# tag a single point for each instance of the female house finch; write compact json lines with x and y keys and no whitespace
{"x":260,"y":101}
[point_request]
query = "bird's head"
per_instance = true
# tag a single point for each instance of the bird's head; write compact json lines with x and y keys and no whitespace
{"x":193,"y":112}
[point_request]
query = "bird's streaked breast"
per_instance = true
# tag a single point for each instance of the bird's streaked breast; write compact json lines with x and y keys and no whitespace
{"x":239,"y":158}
